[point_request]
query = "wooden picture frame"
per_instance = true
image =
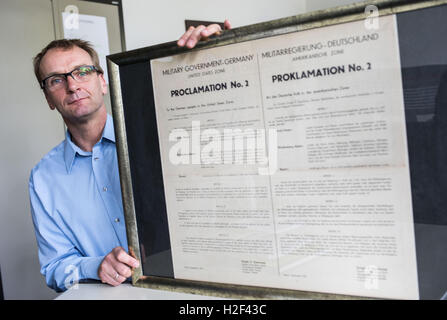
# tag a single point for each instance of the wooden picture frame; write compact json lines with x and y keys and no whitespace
{"x":138,"y":148}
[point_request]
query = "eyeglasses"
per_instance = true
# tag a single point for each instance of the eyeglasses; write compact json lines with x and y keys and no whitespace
{"x":58,"y":81}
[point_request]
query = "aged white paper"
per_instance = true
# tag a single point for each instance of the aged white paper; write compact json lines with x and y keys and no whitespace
{"x":331,"y":210}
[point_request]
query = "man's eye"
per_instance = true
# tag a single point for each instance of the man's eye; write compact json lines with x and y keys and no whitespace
{"x":56,"y":80}
{"x":83,"y":72}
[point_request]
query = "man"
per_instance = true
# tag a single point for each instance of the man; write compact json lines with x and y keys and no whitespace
{"x":74,"y":190}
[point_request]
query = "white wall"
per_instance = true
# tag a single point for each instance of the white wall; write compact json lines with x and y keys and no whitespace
{"x":28,"y":129}
{"x":152,"y":22}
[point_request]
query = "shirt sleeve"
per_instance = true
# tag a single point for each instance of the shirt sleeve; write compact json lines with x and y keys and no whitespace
{"x":61,"y":263}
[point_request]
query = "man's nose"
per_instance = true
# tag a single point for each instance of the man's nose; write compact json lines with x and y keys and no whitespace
{"x":72,"y":84}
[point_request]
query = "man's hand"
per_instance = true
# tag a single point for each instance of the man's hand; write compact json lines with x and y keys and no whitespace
{"x":116,"y":267}
{"x":194,"y":35}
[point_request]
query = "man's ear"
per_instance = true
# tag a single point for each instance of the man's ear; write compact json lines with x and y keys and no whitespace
{"x":103,"y":84}
{"x":48,"y":100}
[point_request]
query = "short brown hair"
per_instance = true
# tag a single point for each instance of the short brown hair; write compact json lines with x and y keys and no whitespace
{"x":65,"y":44}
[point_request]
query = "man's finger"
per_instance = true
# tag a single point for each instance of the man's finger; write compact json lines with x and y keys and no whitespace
{"x":210,"y":30}
{"x":182,"y":41}
{"x":122,"y":256}
{"x":113,"y":280}
{"x":227,"y":24}
{"x":108,"y":275}
{"x":119,"y":277}
{"x":195,"y":37}
{"x":123,"y":270}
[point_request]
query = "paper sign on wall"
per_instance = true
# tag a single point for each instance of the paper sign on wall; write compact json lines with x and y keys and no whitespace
{"x":89,"y":28}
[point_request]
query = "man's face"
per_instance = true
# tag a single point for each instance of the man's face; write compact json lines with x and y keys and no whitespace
{"x":77,"y":101}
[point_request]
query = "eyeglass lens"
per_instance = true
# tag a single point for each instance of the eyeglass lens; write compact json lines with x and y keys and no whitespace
{"x":80,"y":74}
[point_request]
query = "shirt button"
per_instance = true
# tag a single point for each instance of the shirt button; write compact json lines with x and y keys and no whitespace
{"x":117,"y":220}
{"x":96,"y":159}
{"x":104,"y":189}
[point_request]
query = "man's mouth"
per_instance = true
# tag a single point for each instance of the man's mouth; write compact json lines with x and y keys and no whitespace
{"x":75,"y":101}
{"x":77,"y":97}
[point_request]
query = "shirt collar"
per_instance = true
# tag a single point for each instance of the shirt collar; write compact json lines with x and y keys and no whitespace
{"x":109,"y":131}
{"x":71,"y":149}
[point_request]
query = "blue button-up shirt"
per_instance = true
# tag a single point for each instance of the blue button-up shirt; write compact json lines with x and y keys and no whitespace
{"x":77,"y":209}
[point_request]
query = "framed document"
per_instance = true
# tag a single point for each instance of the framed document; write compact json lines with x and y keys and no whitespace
{"x":302,"y":157}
